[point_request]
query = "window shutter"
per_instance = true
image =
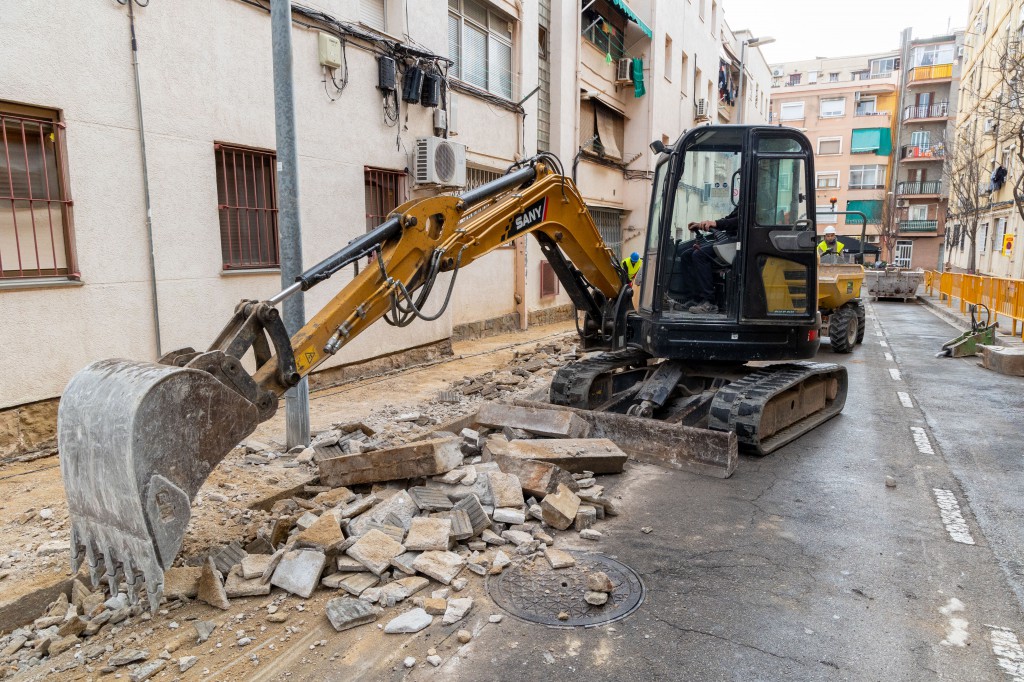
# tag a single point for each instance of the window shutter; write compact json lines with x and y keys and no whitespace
{"x":474,"y":64}
{"x":371,"y":13}
{"x":587,"y":125}
{"x":607,"y":132}
{"x":500,"y":71}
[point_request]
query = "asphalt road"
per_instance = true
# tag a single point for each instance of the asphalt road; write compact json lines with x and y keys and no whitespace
{"x":804,"y":565}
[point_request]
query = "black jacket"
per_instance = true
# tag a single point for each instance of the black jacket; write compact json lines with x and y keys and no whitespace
{"x":729,"y":223}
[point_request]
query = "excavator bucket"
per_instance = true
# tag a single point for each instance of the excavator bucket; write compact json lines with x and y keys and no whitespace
{"x":137,"y":440}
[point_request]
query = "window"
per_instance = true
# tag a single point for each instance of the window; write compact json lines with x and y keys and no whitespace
{"x":830,"y":145}
{"x":371,"y":13}
{"x":684,"y":72}
{"x":794,"y":79}
{"x":605,"y":28}
{"x":792,"y":111}
{"x":609,"y":224}
{"x":812,"y":77}
{"x":548,"y":280}
{"x":384,"y":191}
{"x":867,"y":177}
{"x":833,"y":77}
{"x":247,"y":207}
{"x":918,"y":212}
{"x":825,"y":215}
{"x":930,"y":55}
{"x":860,"y":75}
{"x":919,"y":139}
{"x":35,"y":206}
{"x":480,"y":43}
{"x":882,"y":67}
{"x":668,"y":58}
{"x":832,"y":108}
{"x":998,"y":233}
{"x":866,"y":106}
{"x":781,"y":195}
{"x":607,"y":124}
{"x":827,"y":180}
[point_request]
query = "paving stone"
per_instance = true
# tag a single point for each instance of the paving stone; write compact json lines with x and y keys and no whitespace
{"x":586,"y":516}
{"x":181,"y":582}
{"x":517,"y":537}
{"x":127,"y":656}
{"x":586,"y":482}
{"x":508,"y":515}
{"x":506,"y":490}
{"x":299,"y":571}
{"x":335,"y":497}
{"x":237,"y":586}
{"x":492,"y":538}
{"x":345,"y":613}
{"x":575,"y":455}
{"x":553,"y":423}
{"x":435,"y":607}
{"x":211,"y":587}
{"x":441,"y":566}
{"x":147,"y":670}
{"x":375,"y":550}
{"x":462,"y":527}
{"x":403,"y":562}
{"x":457,"y":610}
{"x":536,"y":478}
{"x":413,"y":460}
{"x":357,"y":583}
{"x":559,"y":509}
{"x":409,"y":622}
{"x":325,"y":534}
{"x":227,"y":556}
{"x":358,"y":506}
{"x":559,"y":559}
{"x":254,"y":565}
{"x":431,"y":499}
{"x":591,"y":534}
{"x":427,"y":533}
{"x":475,"y":511}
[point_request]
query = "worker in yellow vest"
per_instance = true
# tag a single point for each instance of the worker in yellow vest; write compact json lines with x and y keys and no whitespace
{"x":831,"y":244}
{"x":632,"y":265}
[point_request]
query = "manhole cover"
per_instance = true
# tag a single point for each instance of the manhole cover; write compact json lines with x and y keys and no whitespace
{"x":537,"y":593}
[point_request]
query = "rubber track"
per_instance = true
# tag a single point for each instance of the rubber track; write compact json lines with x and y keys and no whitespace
{"x":738,"y":406}
{"x":571,"y":383}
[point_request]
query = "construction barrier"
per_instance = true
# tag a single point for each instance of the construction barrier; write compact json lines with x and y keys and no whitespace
{"x":1001,"y":295}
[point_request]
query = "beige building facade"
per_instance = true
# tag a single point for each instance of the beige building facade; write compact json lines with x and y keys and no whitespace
{"x":78,"y":276}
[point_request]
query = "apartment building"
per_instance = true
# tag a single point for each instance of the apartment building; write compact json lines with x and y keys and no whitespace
{"x":928,"y":107}
{"x":109,"y":248}
{"x":847,"y":108}
{"x":989,"y":115}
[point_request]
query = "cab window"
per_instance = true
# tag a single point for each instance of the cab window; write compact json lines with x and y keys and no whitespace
{"x":781,"y":192}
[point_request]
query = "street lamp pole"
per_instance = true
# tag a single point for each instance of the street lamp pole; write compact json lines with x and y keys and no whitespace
{"x":748,"y":42}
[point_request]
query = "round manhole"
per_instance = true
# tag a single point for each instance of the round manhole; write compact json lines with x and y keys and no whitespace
{"x":535,"y":592}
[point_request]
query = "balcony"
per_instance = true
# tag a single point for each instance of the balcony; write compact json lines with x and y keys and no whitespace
{"x":919,"y":226}
{"x":927,"y":187}
{"x":933,"y":152}
{"x":929,"y":74}
{"x":926,"y":111}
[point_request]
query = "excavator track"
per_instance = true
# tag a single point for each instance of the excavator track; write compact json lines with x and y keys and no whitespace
{"x":776,"y":404}
{"x":573,"y":384}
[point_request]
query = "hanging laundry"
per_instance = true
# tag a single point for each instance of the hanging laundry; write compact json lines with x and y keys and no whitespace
{"x":998,"y":178}
{"x":638,"y":78}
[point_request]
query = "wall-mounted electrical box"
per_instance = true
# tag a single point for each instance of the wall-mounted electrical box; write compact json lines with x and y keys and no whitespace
{"x":329,"y":50}
{"x":386,"y":73}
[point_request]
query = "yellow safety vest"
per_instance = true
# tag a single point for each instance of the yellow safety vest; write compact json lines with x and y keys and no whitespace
{"x":823,"y":246}
{"x":631,"y":268}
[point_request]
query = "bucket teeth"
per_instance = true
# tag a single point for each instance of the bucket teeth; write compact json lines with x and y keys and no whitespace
{"x":120,"y":561}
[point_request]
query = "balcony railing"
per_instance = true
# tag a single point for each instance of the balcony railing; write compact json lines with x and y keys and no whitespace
{"x":937,"y":110}
{"x":919,"y":225}
{"x":932,"y":152}
{"x":930,"y":73}
{"x":926,"y":187}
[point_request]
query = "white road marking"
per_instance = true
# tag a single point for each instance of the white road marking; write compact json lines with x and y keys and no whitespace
{"x":952,"y":519}
{"x":956,"y":634}
{"x":924,"y":446}
{"x":888,"y":357}
{"x":878,"y":333}
{"x":905,"y":398}
{"x":1008,"y":651}
{"x":895,"y":374}
{"x":883,"y":344}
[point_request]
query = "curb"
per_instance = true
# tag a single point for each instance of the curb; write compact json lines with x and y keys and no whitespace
{"x":963,"y":323}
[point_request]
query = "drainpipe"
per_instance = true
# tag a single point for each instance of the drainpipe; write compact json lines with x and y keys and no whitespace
{"x":145,"y":173}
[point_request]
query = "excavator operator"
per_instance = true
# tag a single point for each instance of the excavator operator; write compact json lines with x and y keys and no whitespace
{"x":697,"y":265}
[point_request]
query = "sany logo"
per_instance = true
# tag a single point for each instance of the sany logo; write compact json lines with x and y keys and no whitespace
{"x":532,"y":215}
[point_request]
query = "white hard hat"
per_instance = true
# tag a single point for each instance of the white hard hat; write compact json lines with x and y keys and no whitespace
{"x":830,"y":230}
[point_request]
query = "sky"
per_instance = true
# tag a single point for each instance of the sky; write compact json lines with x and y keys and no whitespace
{"x":806,"y":29}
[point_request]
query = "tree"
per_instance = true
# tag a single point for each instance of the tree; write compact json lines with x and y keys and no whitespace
{"x":888,"y":228}
{"x":962,"y":169}
{"x":1004,"y":106}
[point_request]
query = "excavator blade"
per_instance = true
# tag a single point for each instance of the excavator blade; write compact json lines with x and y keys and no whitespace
{"x":137,"y":440}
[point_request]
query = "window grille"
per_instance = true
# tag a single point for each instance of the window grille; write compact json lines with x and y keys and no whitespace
{"x":36,"y":239}
{"x":247,"y":204}
{"x":385,"y":190}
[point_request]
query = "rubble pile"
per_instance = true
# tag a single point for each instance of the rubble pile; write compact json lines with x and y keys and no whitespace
{"x":394,"y":532}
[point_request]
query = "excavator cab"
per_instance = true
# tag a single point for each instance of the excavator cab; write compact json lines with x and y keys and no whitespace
{"x":745,"y":289}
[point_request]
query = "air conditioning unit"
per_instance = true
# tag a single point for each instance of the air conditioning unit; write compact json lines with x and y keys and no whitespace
{"x":902,"y":203}
{"x":777,"y":71}
{"x":624,"y":70}
{"x":702,"y":110}
{"x":437,"y":161}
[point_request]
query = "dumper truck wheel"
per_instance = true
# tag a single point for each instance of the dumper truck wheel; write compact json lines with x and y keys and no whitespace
{"x":861,"y":321}
{"x":842,"y":330}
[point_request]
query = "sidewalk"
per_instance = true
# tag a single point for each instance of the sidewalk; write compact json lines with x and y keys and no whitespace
{"x":962,"y":321}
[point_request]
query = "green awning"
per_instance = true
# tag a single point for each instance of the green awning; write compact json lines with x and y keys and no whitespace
{"x":871,"y":140}
{"x":872,"y":208}
{"x":628,"y":12}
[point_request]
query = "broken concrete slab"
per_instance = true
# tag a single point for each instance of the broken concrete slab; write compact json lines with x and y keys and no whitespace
{"x":358,"y":507}
{"x":432,"y":499}
{"x":517,"y":537}
{"x":346,"y":564}
{"x":345,"y":613}
{"x":536,"y":477}
{"x":549,"y":421}
{"x":375,"y":550}
{"x":492,"y":538}
{"x":475,"y":511}
{"x":441,"y":566}
{"x":435,"y":607}
{"x":573,"y":455}
{"x":211,"y":586}
{"x":400,"y":505}
{"x":506,"y":515}
{"x":336,"y":497}
{"x":182,"y":582}
{"x":325,"y":533}
{"x":356,"y":583}
{"x":462,"y":527}
{"x":426,"y":533}
{"x":253,"y":566}
{"x":457,"y":610}
{"x":423,"y":458}
{"x":586,"y":516}
{"x":409,"y":622}
{"x":559,"y":509}
{"x":703,"y":451}
{"x":1009,"y":361}
{"x":227,"y":556}
{"x":299,"y":571}
{"x":506,"y":490}
{"x":237,"y":585}
{"x":404,"y":562}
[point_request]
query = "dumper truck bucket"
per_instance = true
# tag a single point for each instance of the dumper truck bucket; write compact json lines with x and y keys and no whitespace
{"x":137,"y":440}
